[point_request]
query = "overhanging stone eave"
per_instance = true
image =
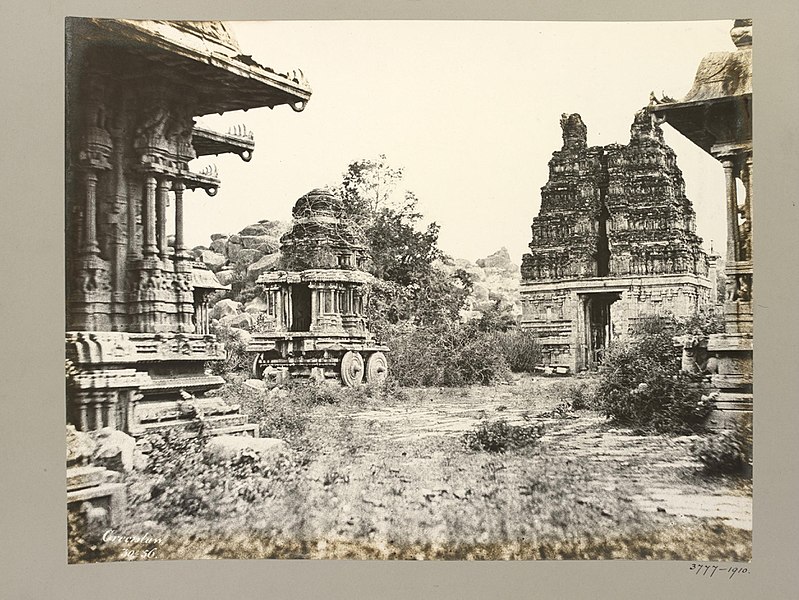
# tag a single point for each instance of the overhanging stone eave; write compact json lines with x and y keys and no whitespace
{"x":689,"y":118}
{"x":238,"y":86}
{"x":208,"y":142}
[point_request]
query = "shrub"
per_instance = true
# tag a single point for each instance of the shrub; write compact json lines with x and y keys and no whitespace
{"x":520,"y":349}
{"x":446,"y":354}
{"x":500,"y":436}
{"x":178,"y":484}
{"x":236,"y":358}
{"x":580,"y":395}
{"x":727,"y":452}
{"x":641,"y":384}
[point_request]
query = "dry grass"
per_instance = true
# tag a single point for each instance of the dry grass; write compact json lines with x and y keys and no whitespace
{"x":387,"y":475}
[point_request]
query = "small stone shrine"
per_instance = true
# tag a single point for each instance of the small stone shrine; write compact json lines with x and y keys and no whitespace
{"x":614,"y":241}
{"x":314,"y":323}
{"x":716,"y":115}
{"x":136,"y":311}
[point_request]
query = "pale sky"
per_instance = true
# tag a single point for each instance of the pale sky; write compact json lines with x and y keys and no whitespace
{"x":470,"y":109}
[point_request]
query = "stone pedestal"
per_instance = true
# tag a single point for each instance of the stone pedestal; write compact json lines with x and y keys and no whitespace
{"x":731,"y":376}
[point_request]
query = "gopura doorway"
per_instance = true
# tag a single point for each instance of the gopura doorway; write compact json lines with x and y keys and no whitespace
{"x":598,"y":328}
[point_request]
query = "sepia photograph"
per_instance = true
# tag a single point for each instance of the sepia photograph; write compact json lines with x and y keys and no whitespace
{"x":409,"y":290}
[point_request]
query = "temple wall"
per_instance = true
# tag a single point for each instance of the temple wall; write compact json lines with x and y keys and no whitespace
{"x":554,"y":312}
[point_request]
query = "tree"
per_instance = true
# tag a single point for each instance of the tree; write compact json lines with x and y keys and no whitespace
{"x":403,"y":254}
{"x":370,"y":185}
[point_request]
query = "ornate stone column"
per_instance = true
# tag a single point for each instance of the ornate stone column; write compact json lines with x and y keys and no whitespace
{"x":90,"y":245}
{"x":150,"y":248}
{"x":182,"y":265}
{"x":732,"y":209}
{"x":162,"y":190}
{"x":180,"y":248}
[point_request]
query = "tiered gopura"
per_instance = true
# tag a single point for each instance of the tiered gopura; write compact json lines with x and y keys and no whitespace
{"x":137,"y":326}
{"x":315,"y":324}
{"x":614,"y":241}
{"x":716,"y":115}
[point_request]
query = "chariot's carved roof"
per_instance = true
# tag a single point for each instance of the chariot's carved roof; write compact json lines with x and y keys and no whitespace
{"x":203,"y":277}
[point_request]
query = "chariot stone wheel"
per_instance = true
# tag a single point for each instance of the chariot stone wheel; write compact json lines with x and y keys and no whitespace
{"x":257,"y":366}
{"x":351,"y":369}
{"x":376,"y":368}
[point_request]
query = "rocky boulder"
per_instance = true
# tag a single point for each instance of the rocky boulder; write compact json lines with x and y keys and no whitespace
{"x":212,"y":260}
{"x":499,"y":260}
{"x":244,"y":321}
{"x":248,"y":256}
{"x":219,"y":245}
{"x":265,"y":243}
{"x":226,"y":275}
{"x":225,"y":308}
{"x":256,"y":305}
{"x":263,"y":264}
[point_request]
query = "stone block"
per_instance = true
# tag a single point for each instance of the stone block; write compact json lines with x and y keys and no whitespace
{"x":114,"y":449}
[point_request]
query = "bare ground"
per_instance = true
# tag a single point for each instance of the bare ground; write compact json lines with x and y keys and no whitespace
{"x":390,"y":477}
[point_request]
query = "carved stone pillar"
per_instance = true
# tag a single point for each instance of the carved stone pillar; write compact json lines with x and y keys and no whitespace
{"x":180,"y":248}
{"x":315,"y":308}
{"x":162,"y":190}
{"x":90,"y":245}
{"x":732,"y":209}
{"x":150,"y":248}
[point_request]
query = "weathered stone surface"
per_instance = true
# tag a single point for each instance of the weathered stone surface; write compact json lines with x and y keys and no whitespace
{"x":216,"y":236}
{"x":262,"y":265}
{"x":225,"y":275}
{"x":114,"y":449}
{"x":197,"y":251}
{"x":266,"y":243}
{"x":321,"y":237}
{"x":248,"y":256}
{"x":257,"y":385}
{"x":242,"y":321}
{"x":500,"y":260}
{"x":219,"y":246}
{"x":232,"y":249}
{"x":229,"y":447}
{"x":80,"y":446}
{"x":212,"y":260}
{"x":225,"y":308}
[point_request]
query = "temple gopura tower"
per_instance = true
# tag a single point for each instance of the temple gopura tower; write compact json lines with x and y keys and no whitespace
{"x":614,"y":241}
{"x":136,"y":310}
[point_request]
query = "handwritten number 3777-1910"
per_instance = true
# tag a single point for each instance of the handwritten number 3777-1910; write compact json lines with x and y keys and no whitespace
{"x":710,"y":570}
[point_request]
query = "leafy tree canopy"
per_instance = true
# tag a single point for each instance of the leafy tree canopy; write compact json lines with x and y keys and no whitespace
{"x":403,"y":252}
